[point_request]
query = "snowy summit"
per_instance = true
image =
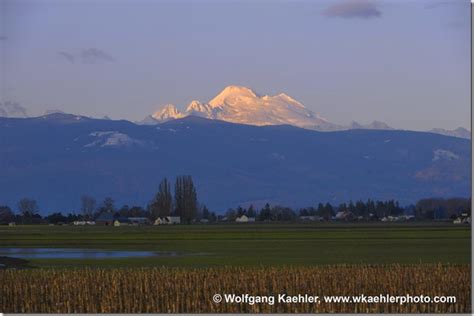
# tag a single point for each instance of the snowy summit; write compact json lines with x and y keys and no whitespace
{"x":238,"y":104}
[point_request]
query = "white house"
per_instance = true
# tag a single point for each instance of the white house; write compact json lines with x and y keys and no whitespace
{"x":311,"y":218}
{"x":344,"y":216}
{"x":168,"y":220}
{"x":245,"y":219}
{"x":121,"y":222}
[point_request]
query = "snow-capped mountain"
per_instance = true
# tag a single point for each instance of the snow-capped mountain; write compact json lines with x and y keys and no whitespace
{"x":458,"y":132}
{"x":242,"y":105}
{"x":168,"y":112}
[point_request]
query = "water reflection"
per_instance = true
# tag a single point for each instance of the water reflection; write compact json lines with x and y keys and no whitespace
{"x":76,"y":253}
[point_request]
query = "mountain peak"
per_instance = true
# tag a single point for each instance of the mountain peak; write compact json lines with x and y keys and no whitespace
{"x":197,"y":108}
{"x":239,"y":104}
{"x":169,"y":111}
{"x":235,"y":89}
{"x":460,"y":132}
{"x":231,"y":93}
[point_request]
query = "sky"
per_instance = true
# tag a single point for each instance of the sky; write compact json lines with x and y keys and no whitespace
{"x":406,"y":63}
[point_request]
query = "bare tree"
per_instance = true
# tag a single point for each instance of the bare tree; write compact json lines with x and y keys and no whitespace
{"x":88,"y":204}
{"x":185,"y":198}
{"x":163,"y":202}
{"x":6,"y":215}
{"x":27,"y":207}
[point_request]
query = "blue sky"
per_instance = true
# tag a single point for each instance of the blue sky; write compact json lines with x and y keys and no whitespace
{"x":403,"y":62}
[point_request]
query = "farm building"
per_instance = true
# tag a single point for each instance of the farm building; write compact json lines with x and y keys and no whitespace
{"x":82,"y":223}
{"x":464,"y":218}
{"x":344,"y":216}
{"x":311,"y":218}
{"x":106,"y":219}
{"x":245,"y":219}
{"x":121,"y":221}
{"x":139,"y":221}
{"x":168,"y":220}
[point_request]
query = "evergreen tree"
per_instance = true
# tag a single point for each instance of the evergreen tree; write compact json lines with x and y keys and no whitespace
{"x":251,"y":212}
{"x":328,"y":211}
{"x":205,"y":213}
{"x":265,"y":213}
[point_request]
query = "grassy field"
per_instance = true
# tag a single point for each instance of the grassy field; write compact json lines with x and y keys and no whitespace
{"x":253,"y":244}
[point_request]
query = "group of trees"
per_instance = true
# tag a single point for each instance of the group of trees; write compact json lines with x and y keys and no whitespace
{"x":183,"y":202}
{"x":370,"y":210}
{"x":442,"y":208}
{"x":27,"y":212}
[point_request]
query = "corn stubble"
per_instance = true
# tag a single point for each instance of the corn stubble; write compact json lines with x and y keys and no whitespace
{"x":171,"y":290}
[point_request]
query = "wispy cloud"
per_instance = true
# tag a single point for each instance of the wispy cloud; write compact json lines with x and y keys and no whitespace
{"x":87,"y":56}
{"x":12,"y":109}
{"x":363,"y":9}
{"x":3,"y":38}
{"x":94,"y":55}
{"x":67,"y":56}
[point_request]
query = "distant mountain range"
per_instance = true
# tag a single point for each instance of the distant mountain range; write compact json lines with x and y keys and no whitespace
{"x":458,"y":132}
{"x":237,"y":104}
{"x":242,"y":105}
{"x":58,"y":157}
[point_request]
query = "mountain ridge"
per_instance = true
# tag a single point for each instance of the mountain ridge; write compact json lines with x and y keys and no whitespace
{"x":231,"y":163}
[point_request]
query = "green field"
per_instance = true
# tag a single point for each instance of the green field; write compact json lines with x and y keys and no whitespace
{"x":253,"y":244}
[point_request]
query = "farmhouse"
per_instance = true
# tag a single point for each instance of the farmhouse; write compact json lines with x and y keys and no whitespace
{"x":82,"y":223}
{"x":168,"y":220}
{"x":344,"y":216}
{"x":121,"y":221}
{"x":311,"y":218}
{"x":245,"y":219}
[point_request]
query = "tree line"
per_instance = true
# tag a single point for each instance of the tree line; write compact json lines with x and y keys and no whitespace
{"x":183,"y":202}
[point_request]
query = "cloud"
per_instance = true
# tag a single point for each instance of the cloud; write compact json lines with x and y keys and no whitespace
{"x":12,"y":109}
{"x":3,"y":38}
{"x":94,"y":55}
{"x":67,"y":56}
{"x":87,"y":56}
{"x":364,"y":9}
